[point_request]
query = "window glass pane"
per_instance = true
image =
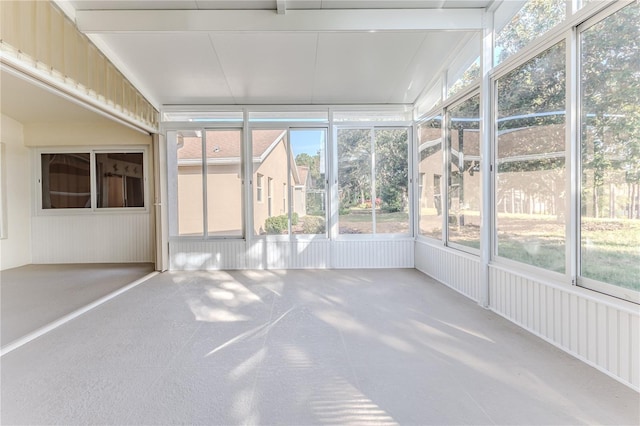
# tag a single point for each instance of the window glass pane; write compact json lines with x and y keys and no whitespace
{"x":470,"y":75}
{"x":190,"y":188}
{"x":392,"y":181}
{"x":66,"y":181}
{"x":269,"y":152}
{"x":535,"y":18}
{"x":354,"y":181}
{"x":610,"y":201}
{"x":464,"y":173}
{"x":531,"y":175}
{"x":430,"y":171}
{"x":308,"y":148}
{"x":119,"y":180}
{"x":224,"y":182}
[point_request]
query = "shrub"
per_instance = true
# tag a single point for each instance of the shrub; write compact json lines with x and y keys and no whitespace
{"x":295,"y":218}
{"x":313,"y":225}
{"x":276,"y":224}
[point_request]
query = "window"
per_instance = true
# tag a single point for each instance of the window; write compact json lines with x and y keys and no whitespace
{"x":308,"y":179}
{"x":524,"y":24}
{"x":270,"y":196}
{"x":610,"y":147}
{"x":190,"y":187}
{"x":430,"y":167}
{"x":373,"y":181}
{"x":208,"y":184}
{"x":66,"y":180}
{"x":294,"y":161}
{"x":464,"y":191}
{"x":531,"y":174}
{"x":224,"y":182}
{"x":259,"y":184}
{"x":270,"y":150}
{"x":284,"y":198}
{"x":119,"y":180}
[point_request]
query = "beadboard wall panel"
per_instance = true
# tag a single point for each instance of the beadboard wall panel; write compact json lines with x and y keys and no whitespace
{"x":456,"y":269}
{"x":372,"y":254}
{"x":92,"y":238}
{"x":604,"y":333}
{"x":266,"y":254}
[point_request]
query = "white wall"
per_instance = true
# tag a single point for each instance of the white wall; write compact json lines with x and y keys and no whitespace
{"x":598,"y":329}
{"x":101,"y":237}
{"x":15,"y":250}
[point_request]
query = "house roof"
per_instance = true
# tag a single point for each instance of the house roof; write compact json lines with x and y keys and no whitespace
{"x":227,"y":144}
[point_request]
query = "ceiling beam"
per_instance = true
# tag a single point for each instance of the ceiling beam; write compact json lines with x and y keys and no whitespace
{"x":327,"y":20}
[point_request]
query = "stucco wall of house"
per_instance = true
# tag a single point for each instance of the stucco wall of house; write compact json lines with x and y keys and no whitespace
{"x":274,"y":166}
{"x":15,"y":248}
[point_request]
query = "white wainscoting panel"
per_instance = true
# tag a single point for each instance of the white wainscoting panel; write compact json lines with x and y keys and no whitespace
{"x":456,"y":269}
{"x":372,"y":254}
{"x":267,"y":254}
{"x":197,"y":255}
{"x":92,"y":238}
{"x":601,"y":331}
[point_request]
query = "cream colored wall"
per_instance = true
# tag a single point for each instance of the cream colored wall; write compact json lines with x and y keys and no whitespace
{"x":190,"y":200}
{"x":275,"y":167}
{"x":103,"y":132}
{"x":15,"y":249}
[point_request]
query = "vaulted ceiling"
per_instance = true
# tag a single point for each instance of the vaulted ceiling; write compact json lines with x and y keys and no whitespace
{"x":280,"y":51}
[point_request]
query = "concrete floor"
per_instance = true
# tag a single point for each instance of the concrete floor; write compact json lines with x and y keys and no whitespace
{"x":298,"y":347}
{"x":33,"y":296}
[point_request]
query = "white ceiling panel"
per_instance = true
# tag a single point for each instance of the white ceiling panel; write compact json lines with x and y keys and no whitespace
{"x":426,"y":65}
{"x":264,"y":68}
{"x":189,"y":58}
{"x":362,"y":67}
{"x":175,"y":68}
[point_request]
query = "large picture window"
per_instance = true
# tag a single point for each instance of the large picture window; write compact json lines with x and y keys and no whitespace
{"x":531,"y":174}
{"x":464,"y":186}
{"x":66,"y":180}
{"x":610,"y":149}
{"x":373,"y":181}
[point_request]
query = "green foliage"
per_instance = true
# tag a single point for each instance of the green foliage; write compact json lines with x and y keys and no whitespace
{"x":313,"y":225}
{"x":276,"y":224}
{"x":534,"y":19}
{"x":294,"y":219}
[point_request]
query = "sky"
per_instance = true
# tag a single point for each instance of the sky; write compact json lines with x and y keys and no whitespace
{"x":308,"y":141}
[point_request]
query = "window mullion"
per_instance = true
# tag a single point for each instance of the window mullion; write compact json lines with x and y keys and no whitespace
{"x":203,"y":143}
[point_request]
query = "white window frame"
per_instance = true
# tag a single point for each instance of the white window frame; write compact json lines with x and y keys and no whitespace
{"x":92,"y":151}
{"x":373,"y":126}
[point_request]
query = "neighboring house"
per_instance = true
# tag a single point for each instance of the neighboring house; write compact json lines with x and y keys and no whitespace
{"x":271,"y":185}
